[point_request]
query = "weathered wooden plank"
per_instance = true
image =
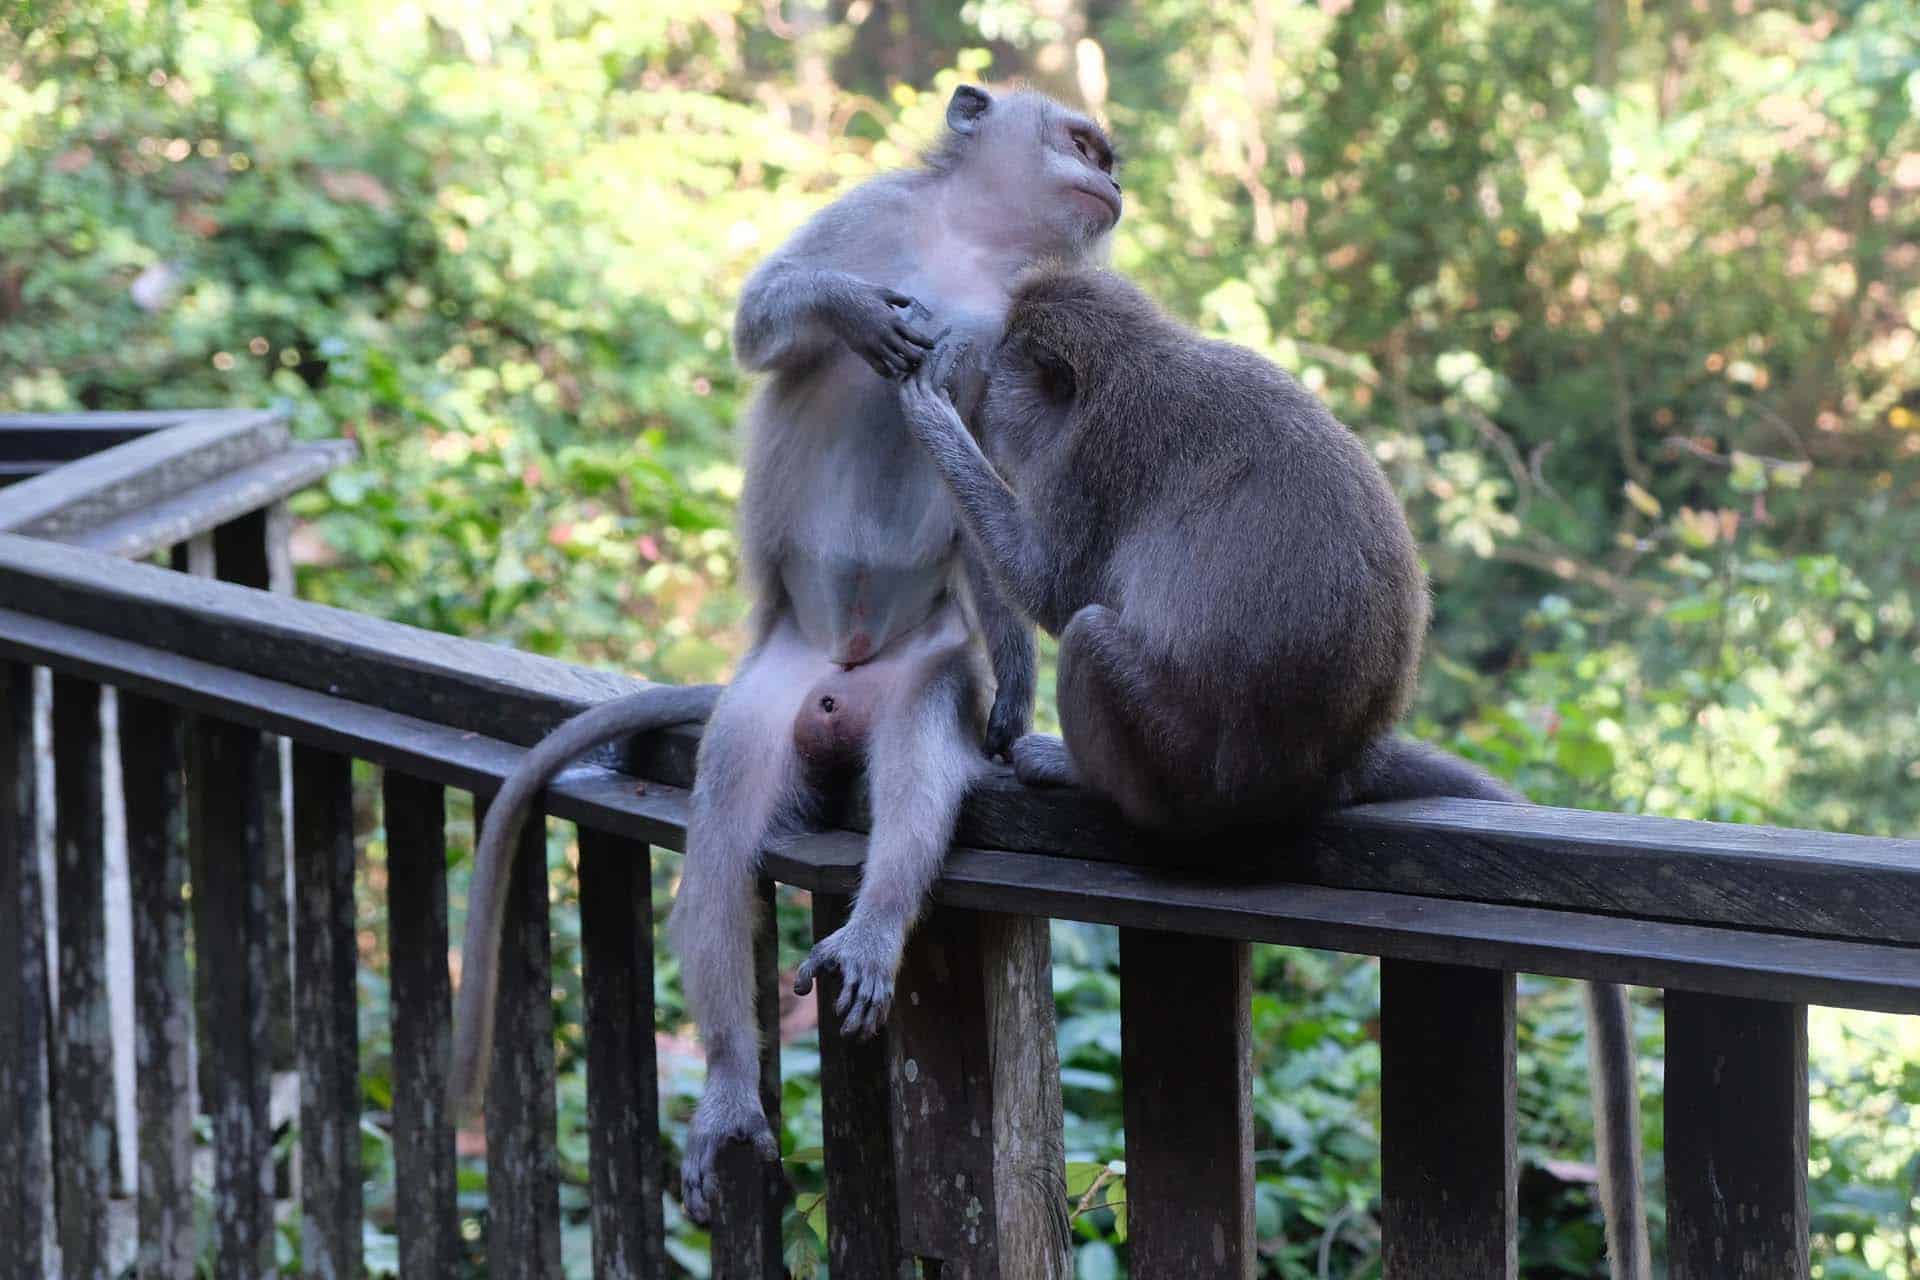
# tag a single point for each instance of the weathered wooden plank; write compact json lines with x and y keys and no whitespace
{"x":523,"y":1167}
{"x":246,"y":551}
{"x":215,"y":501}
{"x":127,"y":477}
{"x":1564,"y":943}
{"x":425,"y":1189}
{"x":83,"y":1046}
{"x":863,"y":1198}
{"x":623,"y":1082}
{"x":230,"y":893}
{"x":1186,"y":1071}
{"x":746,"y":1214}
{"x":1788,"y":881}
{"x":153,"y":761}
{"x":327,"y":1008}
{"x":942,"y":1078}
{"x":26,"y":1178}
{"x":1029,"y":1147}
{"x":1736,"y":1135}
{"x":1449,"y":1174}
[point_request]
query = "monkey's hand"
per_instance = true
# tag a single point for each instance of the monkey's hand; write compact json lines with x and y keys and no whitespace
{"x":880,"y":325}
{"x":725,"y":1114}
{"x":866,"y":956}
{"x":926,"y":395}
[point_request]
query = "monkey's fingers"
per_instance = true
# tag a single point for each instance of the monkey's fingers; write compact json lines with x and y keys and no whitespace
{"x":904,"y":301}
{"x":803,"y":977}
{"x":907,"y":333}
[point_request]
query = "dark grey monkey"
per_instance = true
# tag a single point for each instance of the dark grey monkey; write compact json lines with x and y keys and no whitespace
{"x":874,"y":639}
{"x":1238,"y":597}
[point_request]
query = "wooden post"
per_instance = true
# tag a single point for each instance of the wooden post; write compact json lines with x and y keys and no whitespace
{"x":83,"y":1112}
{"x":1449,"y":1177}
{"x":863,"y":1200}
{"x":231,"y":893}
{"x":426,"y":1193}
{"x":1186,"y":1063}
{"x":1029,"y":1146}
{"x":746,"y":1215}
{"x":26,"y":1179}
{"x":153,"y":780}
{"x":327,"y":1001}
{"x":1736,"y":1108}
{"x":623,"y":1081}
{"x":523,"y":1168}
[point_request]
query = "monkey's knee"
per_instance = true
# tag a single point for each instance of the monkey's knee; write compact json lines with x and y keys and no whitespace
{"x":830,"y":731}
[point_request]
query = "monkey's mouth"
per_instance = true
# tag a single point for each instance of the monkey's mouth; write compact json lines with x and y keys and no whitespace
{"x":1109,"y":203}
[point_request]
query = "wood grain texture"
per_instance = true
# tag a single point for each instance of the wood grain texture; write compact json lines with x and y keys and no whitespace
{"x":188,"y":448}
{"x":1529,"y":939}
{"x":1186,"y":1071}
{"x":623,"y":1081}
{"x":83,"y":1039}
{"x":1449,"y":1173}
{"x":26,"y":1176}
{"x":326,"y":1014}
{"x":1736,"y":1139}
{"x":425,"y":1189}
{"x":523,"y":1168}
{"x":863,"y":1198}
{"x":1023,"y":1050}
{"x":753,"y":1192}
{"x":942,"y":1094}
{"x":153,"y":773}
{"x":230,"y":897}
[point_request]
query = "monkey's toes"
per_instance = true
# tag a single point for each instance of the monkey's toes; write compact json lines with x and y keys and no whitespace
{"x":712,"y":1129}
{"x":1040,"y":760}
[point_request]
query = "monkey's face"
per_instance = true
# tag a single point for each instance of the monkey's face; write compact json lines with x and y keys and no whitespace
{"x":1048,"y":170}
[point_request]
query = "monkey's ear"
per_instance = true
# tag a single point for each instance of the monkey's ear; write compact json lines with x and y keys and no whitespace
{"x":966,"y":106}
{"x":1057,"y":382}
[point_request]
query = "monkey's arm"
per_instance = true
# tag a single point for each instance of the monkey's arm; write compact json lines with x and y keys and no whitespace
{"x":1007,"y":540}
{"x":823,"y":286}
{"x":1011,"y":649}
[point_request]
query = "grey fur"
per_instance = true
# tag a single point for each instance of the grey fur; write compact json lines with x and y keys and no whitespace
{"x":873,"y":639}
{"x":1239,"y":600}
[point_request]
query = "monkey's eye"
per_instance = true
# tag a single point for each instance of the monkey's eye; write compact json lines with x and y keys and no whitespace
{"x":1093,"y":153}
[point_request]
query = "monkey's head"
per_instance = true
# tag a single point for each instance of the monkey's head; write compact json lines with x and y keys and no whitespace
{"x":1077,"y":343}
{"x":1045,"y":169}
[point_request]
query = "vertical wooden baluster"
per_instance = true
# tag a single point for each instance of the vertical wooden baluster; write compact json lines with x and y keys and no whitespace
{"x":746,"y":1217}
{"x":1736,"y":1120}
{"x":1449,"y":1170}
{"x":523,"y":1168}
{"x":941,"y":1075}
{"x":153,"y":756}
{"x":1186,"y":1062}
{"x":863,"y":1198}
{"x":326,"y":1020}
{"x":623,"y":1083}
{"x":425,"y":1189}
{"x":231,"y":892}
{"x":26,"y":1185}
{"x":83,"y":1045}
{"x":251,"y":550}
{"x":1029,"y":1145}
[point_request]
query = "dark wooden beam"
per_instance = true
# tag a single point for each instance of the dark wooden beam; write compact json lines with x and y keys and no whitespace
{"x":1449,"y":1175}
{"x":26,"y":1176}
{"x":1736,"y":1139}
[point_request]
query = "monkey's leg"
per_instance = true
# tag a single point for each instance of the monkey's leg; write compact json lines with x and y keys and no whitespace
{"x":747,"y":790}
{"x":922,"y":757}
{"x":1117,"y":717}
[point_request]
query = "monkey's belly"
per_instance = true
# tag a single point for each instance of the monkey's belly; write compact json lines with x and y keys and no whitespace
{"x":853,"y":611}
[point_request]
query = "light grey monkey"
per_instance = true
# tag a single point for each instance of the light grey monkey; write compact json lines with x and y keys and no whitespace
{"x":1238,"y":597}
{"x":872,"y":634}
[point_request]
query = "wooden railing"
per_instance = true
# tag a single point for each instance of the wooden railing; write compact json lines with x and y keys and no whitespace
{"x":941,"y":1139}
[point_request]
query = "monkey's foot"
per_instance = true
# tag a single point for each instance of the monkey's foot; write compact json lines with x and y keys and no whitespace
{"x":1041,"y":760}
{"x":866,"y":957}
{"x":724,"y":1115}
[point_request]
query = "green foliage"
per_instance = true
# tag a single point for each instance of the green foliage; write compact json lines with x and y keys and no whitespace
{"x":1623,"y":296}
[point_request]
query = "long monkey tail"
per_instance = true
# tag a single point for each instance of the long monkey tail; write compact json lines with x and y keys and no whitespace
{"x":610,"y":721}
{"x":1399,"y":768}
